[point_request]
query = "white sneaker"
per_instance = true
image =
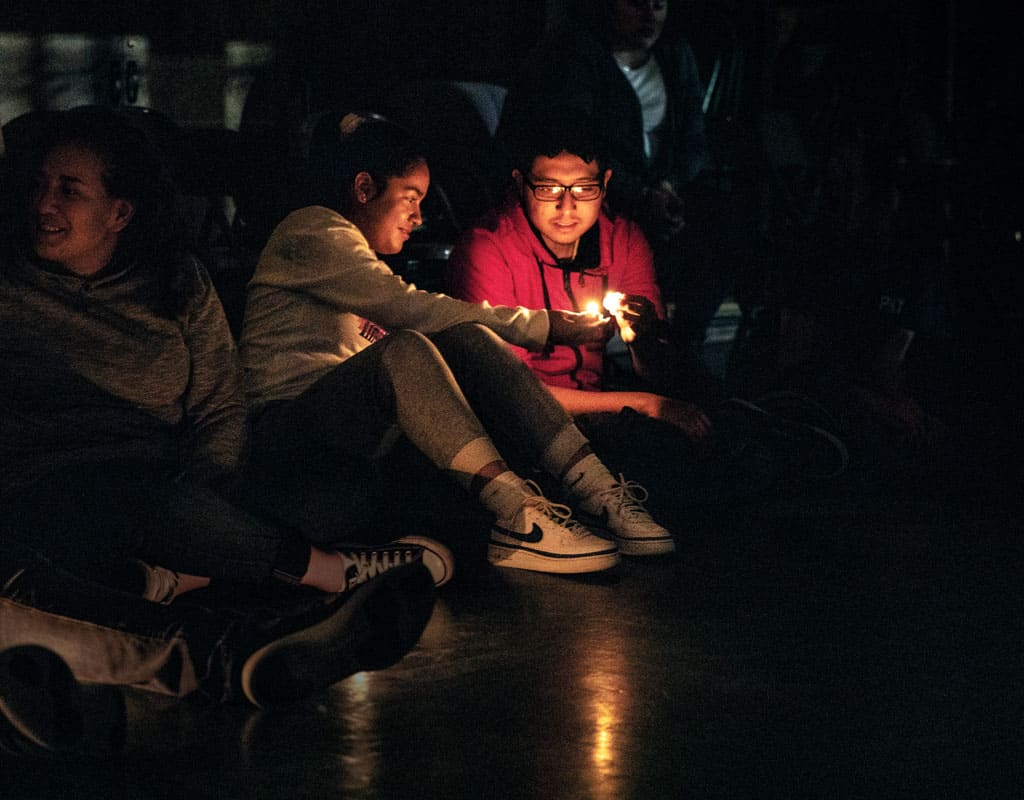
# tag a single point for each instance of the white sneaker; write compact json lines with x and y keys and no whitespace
{"x":365,"y":562}
{"x":436,"y":557}
{"x":619,"y":509}
{"x":542,"y":536}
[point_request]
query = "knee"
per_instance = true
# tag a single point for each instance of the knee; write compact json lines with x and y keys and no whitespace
{"x":404,"y":348}
{"x":469,"y":337}
{"x":404,"y":342}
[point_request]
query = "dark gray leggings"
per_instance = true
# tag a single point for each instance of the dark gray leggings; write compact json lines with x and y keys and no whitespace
{"x":441,"y":392}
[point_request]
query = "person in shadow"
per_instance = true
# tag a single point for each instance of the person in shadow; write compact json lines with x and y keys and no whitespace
{"x":120,"y":432}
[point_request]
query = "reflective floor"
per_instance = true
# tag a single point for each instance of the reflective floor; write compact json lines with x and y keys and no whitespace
{"x":827,"y":642}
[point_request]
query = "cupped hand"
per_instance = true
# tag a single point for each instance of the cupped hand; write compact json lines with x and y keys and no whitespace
{"x":638,"y":314}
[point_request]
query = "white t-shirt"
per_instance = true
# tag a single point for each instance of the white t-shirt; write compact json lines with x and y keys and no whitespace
{"x":649,"y":86}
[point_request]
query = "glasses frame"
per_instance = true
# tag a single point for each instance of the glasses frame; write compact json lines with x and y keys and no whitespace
{"x":565,"y":189}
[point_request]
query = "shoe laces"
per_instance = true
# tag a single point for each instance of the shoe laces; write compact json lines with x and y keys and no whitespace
{"x":559,"y":513}
{"x":628,"y":496}
{"x":362,"y":565}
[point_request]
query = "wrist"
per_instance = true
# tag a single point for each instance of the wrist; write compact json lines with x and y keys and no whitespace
{"x":649,"y":405}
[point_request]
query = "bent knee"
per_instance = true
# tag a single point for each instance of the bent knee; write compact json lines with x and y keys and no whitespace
{"x":404,"y":340}
{"x":405,"y":346}
{"x":469,"y":335}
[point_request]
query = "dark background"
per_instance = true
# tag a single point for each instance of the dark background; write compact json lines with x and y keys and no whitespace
{"x":967,"y":54}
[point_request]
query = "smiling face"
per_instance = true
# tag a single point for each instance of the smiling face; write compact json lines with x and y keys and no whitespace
{"x":388,"y":215}
{"x":562,"y":223}
{"x":74,"y":221}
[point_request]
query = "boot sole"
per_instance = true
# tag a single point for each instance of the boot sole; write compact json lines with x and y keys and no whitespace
{"x":45,"y":711}
{"x":373,"y":628}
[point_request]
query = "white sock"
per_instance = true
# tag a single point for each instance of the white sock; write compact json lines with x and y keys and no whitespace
{"x":504,"y":494}
{"x":587,"y":477}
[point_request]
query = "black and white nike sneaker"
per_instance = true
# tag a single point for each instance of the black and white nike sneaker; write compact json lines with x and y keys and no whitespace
{"x":542,"y":536}
{"x":619,"y":510}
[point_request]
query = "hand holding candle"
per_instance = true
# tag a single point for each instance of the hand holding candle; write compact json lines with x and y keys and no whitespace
{"x":614,"y":304}
{"x":634,"y":313}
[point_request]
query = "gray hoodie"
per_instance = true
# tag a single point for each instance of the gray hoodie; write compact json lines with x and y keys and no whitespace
{"x":90,"y":371}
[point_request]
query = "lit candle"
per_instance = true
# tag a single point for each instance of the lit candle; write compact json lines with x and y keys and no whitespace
{"x":613,"y":302}
{"x":593,"y":309}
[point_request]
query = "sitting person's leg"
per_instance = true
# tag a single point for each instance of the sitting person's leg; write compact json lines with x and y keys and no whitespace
{"x":512,"y":402}
{"x":87,"y":517}
{"x":90,"y":519}
{"x":106,"y":636}
{"x":133,"y":526}
{"x":403,"y":380}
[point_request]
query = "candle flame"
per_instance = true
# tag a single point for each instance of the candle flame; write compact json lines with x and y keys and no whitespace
{"x":613,"y":301}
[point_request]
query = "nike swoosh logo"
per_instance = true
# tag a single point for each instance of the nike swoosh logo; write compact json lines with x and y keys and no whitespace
{"x":532,"y":537}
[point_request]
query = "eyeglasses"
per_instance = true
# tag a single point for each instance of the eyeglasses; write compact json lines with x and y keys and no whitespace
{"x":553,"y":192}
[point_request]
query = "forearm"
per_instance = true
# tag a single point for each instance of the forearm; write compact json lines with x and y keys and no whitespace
{"x":685,"y":416}
{"x":320,"y":256}
{"x":581,"y":401}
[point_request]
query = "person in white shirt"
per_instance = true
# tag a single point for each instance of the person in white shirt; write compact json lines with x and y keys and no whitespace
{"x":340,"y":353}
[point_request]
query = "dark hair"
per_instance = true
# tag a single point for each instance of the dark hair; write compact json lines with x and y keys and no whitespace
{"x":134,"y":169}
{"x":553,"y":131}
{"x":357,"y":142}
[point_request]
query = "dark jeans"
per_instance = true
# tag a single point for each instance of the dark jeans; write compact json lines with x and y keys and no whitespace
{"x":64,"y":541}
{"x":107,"y":636}
{"x":684,"y":481}
{"x":94,"y":517}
